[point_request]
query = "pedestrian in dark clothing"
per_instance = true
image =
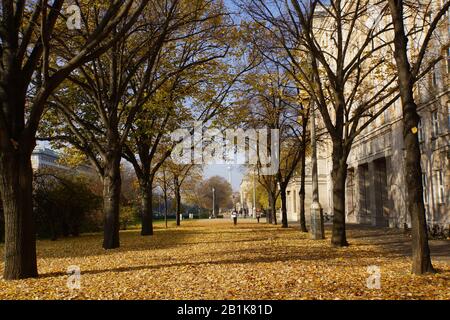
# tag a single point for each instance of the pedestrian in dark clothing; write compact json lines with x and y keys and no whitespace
{"x":234,"y":215}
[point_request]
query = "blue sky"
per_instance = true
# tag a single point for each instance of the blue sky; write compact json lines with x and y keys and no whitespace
{"x":222,"y":170}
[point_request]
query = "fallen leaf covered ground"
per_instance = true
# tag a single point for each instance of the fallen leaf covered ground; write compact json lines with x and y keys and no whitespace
{"x":215,"y":260}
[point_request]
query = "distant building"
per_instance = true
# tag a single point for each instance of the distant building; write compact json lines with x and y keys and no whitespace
{"x":246,"y":196}
{"x":45,"y":158}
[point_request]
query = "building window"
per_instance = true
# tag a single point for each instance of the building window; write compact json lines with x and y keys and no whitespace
{"x":440,"y":188}
{"x":295,"y":202}
{"x":448,"y":60}
{"x":448,"y":114}
{"x":435,"y":123}
{"x":421,"y":132}
{"x":425,"y":187}
{"x":429,"y":16}
{"x":434,"y":77}
{"x":387,"y":115}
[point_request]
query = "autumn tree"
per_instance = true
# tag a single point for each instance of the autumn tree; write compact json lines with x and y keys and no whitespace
{"x":163,"y":183}
{"x":296,"y":99}
{"x":346,"y":48}
{"x":175,"y":105}
{"x":197,"y":58}
{"x":180,"y":181}
{"x":410,"y":72}
{"x":272,"y":100}
{"x":101,"y":101}
{"x":148,"y":145}
{"x":30,"y":72}
{"x":261,"y":199}
{"x":223,"y":193}
{"x":183,"y":175}
{"x":260,"y":104}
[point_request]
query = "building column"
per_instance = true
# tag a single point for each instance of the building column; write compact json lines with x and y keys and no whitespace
{"x":393,"y":218}
{"x":288,"y":203}
{"x":357,"y":200}
{"x":363,"y":195}
{"x":295,"y":206}
{"x":376,"y":192}
{"x":384,"y":208}
{"x":372,"y":193}
{"x":317,"y":221}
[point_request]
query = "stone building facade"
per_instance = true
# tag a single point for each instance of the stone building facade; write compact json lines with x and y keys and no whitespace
{"x":246,"y":196}
{"x":376,"y":178}
{"x":375,"y":188}
{"x":325,"y":187}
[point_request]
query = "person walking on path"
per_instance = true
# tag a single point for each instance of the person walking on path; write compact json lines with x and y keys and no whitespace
{"x":234,"y":215}
{"x":258,"y":215}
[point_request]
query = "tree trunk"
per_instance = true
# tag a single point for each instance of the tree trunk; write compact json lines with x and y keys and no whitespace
{"x":178,"y":204}
{"x":16,"y":178}
{"x":339,"y":175}
{"x":273,"y":204}
{"x":177,"y":192}
{"x":16,"y":173}
{"x":284,"y":214}
{"x":421,"y":263}
{"x":112,"y":182}
{"x":414,"y":195}
{"x":302,"y":194}
{"x":165,"y":208}
{"x":269,"y":212}
{"x":146,"y":207}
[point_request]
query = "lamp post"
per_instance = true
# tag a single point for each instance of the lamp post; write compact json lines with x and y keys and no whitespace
{"x":254,"y":194}
{"x":214,"y":202}
{"x":317,"y":224}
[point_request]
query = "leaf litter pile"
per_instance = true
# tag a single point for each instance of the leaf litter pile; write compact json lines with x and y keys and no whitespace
{"x":215,"y":260}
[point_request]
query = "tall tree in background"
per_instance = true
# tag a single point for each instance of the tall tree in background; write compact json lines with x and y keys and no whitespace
{"x":409,"y":74}
{"x":297,"y":100}
{"x":182,"y":175}
{"x":223,"y":193}
{"x":148,"y":145}
{"x":262,"y":106}
{"x":163,"y":183}
{"x":348,"y":53}
{"x":28,"y":32}
{"x":193,"y":60}
{"x":271,"y":100}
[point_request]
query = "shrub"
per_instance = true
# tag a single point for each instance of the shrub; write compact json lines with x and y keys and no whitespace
{"x":438,"y":232}
{"x":64,"y":205}
{"x":128,"y":217}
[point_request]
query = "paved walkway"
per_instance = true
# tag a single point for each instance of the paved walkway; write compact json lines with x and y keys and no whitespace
{"x":396,"y":241}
